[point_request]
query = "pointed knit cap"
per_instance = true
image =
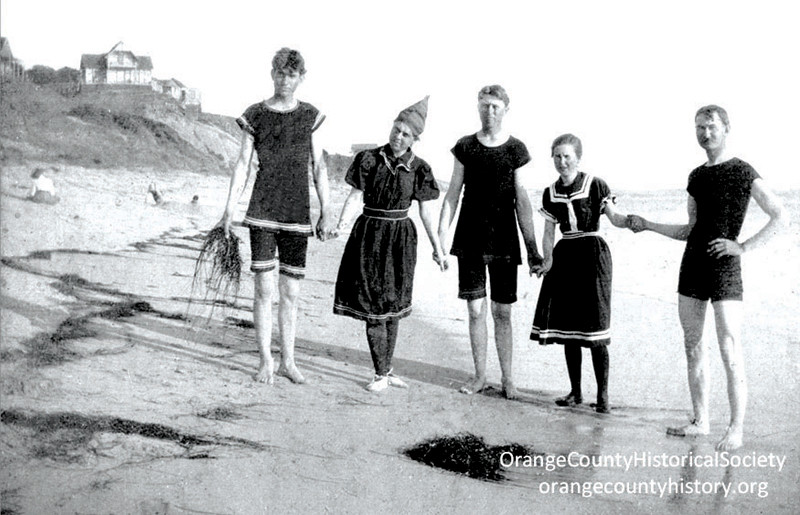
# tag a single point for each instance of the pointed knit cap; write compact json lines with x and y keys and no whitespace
{"x":414,"y":116}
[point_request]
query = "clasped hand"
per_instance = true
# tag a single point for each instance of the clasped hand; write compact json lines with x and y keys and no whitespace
{"x":441,"y":260}
{"x":325,"y":228}
{"x":537,"y":264}
{"x":542,"y":267}
{"x":636,"y":223}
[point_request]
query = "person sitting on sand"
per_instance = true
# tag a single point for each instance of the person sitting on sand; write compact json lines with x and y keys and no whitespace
{"x":719,"y":193}
{"x":488,"y":167}
{"x":281,"y":131}
{"x":574,"y":307}
{"x":43,"y":191}
{"x":376,"y":275}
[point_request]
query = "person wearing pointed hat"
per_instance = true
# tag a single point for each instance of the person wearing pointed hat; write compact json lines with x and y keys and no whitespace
{"x":376,"y":274}
{"x":488,"y":167}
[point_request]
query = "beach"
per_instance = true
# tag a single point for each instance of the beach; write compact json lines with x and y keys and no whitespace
{"x":148,"y":403}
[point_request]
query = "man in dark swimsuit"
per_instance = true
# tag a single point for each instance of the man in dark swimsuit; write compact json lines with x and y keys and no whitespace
{"x":280,"y":131}
{"x":487,"y":166}
{"x":719,"y":192}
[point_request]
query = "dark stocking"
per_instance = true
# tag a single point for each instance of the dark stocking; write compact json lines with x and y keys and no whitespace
{"x":573,"y":354}
{"x":392,"y":326}
{"x":600,"y":362}
{"x":382,"y":337}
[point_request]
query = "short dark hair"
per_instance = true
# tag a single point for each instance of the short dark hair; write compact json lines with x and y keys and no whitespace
{"x":568,"y":139}
{"x":709,"y":110}
{"x":287,"y":58}
{"x":495,"y":90}
{"x":37,"y":173}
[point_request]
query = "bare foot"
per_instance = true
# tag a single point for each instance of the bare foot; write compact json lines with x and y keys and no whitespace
{"x":264,"y":374}
{"x":731,"y":441}
{"x":475,"y":386}
{"x":290,"y":371}
{"x":510,"y":391}
{"x":695,"y":428}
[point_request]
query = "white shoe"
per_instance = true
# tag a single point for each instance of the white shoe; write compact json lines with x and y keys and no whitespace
{"x":378,"y":384}
{"x":396,"y":381}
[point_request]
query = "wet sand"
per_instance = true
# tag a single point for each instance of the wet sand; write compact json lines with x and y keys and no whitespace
{"x":329,"y":445}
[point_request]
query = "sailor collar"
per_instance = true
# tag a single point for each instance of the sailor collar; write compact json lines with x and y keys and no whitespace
{"x":400,"y":163}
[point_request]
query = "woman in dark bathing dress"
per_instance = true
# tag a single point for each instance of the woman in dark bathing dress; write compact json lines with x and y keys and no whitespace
{"x":574,"y":307}
{"x":376,"y":274}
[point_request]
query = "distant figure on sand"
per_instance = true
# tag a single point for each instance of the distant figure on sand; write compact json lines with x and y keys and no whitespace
{"x":719,"y":192}
{"x":43,"y":191}
{"x":281,"y":131}
{"x":574,"y":307}
{"x":488,"y":167}
{"x":158,"y":198}
{"x":376,"y":275}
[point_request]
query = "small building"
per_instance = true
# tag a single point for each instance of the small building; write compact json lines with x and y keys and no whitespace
{"x":188,"y":97}
{"x":169,"y":87}
{"x":10,"y":68}
{"x":117,"y":66}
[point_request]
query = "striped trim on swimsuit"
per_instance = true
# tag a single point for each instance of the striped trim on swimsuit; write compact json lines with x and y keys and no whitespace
{"x":385,"y":214}
{"x":571,"y":335}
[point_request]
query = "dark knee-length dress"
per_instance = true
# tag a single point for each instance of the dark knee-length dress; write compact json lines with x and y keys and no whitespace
{"x":376,"y":275}
{"x":574,"y":305}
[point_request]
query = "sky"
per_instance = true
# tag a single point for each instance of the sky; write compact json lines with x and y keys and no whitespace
{"x":624,"y":76}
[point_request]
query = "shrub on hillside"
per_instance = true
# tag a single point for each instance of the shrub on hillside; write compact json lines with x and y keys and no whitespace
{"x":126,"y":121}
{"x":42,"y":74}
{"x":67,"y":74}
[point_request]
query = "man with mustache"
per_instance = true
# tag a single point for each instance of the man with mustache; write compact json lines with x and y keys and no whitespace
{"x":719,"y":192}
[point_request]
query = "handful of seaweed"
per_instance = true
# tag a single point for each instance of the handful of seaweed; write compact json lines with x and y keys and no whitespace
{"x":465,"y":454}
{"x":218,"y":269}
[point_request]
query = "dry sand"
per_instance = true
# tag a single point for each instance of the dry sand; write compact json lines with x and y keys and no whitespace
{"x":330,"y":446}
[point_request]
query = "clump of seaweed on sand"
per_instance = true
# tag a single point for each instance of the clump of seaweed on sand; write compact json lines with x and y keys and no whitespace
{"x":222,"y":413}
{"x":465,"y":454}
{"x":217,"y":270}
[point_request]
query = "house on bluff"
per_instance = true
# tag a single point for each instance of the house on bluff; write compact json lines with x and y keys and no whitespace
{"x":117,"y":66}
{"x":188,"y":97}
{"x":10,"y":68}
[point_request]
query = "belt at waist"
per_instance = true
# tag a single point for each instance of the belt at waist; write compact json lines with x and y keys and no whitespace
{"x":386,"y":214}
{"x":575,"y":235}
